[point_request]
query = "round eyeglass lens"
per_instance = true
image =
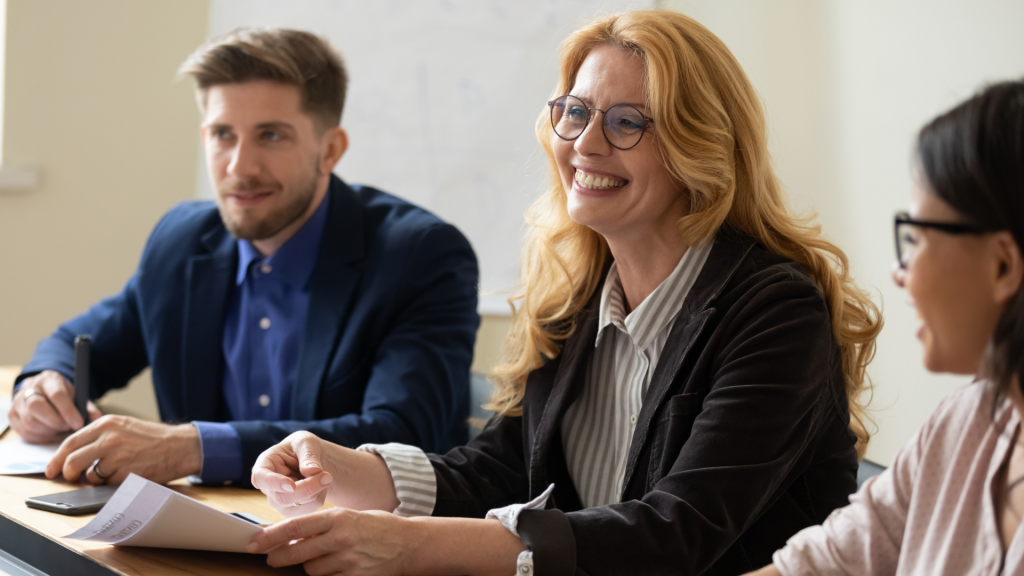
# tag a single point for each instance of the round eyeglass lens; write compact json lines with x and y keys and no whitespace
{"x":624,"y":126}
{"x":569,"y":117}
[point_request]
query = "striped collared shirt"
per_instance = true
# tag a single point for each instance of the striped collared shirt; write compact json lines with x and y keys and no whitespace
{"x":598,"y":428}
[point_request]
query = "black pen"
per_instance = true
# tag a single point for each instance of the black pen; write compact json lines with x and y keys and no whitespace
{"x":81,"y":384}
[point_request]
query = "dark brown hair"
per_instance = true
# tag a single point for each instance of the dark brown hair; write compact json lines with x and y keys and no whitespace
{"x":973,"y":159}
{"x":290,"y":57}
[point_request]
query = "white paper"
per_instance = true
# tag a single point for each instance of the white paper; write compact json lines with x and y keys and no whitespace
{"x":5,"y":406}
{"x":143,"y":513}
{"x":20,"y":457}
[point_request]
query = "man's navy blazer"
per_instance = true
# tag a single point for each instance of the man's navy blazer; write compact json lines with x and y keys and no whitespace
{"x":388,"y":339}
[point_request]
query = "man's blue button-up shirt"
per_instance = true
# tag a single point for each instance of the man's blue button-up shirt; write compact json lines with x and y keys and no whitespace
{"x":263,"y":330}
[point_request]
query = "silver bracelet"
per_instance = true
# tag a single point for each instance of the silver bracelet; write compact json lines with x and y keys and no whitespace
{"x":524,"y":564}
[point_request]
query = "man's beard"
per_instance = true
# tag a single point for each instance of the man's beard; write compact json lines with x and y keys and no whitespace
{"x":248,"y":228}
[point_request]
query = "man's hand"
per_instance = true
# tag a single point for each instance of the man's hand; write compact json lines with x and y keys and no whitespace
{"x":122,"y":444}
{"x":43,"y":411}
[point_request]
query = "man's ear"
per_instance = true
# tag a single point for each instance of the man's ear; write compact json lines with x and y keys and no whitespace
{"x":334,"y":145}
{"x":1011,"y":267}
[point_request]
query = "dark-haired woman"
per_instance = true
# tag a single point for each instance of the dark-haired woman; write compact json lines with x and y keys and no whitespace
{"x":953,"y":500}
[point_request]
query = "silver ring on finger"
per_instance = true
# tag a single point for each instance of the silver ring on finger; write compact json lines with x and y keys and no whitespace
{"x":99,"y":473}
{"x":34,"y":392}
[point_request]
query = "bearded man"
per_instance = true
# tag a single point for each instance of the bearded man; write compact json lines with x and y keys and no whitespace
{"x":294,"y":302}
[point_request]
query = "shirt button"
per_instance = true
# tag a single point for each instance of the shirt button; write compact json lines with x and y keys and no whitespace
{"x":264,"y":400}
{"x":266,"y":268}
{"x":632,"y":418}
{"x":265,"y":323}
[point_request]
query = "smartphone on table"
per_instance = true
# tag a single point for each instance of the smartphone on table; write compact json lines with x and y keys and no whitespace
{"x":74,"y":503}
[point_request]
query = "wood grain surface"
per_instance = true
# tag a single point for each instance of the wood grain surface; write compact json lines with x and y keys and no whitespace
{"x":130,"y":560}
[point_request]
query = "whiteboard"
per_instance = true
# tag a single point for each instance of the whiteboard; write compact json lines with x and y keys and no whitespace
{"x":442,"y":101}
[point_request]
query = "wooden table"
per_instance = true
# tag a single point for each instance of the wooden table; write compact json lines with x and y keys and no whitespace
{"x":34,"y":536}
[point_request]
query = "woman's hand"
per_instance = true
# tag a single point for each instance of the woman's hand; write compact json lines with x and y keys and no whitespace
{"x":769,"y":570}
{"x":343,"y":541}
{"x":302,"y":471}
{"x":292,"y":474}
{"x":335,"y":541}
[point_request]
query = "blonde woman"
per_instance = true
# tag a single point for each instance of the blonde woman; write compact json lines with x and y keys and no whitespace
{"x":681,"y":373}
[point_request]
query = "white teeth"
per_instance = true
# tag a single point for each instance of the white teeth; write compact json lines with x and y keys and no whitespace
{"x":598,"y":183}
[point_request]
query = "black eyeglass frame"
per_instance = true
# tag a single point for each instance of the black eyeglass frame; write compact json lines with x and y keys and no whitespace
{"x":902,"y":218}
{"x":590,"y":115}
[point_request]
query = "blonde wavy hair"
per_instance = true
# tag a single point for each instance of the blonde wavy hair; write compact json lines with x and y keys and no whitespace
{"x":709,"y":128}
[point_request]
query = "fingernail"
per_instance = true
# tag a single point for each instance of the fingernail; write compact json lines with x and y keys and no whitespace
{"x":287,"y":488}
{"x":252,"y":547}
{"x":325,"y":479}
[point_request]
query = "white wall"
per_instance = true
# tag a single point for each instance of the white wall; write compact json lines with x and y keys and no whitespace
{"x":846,"y":86}
{"x":442,"y":103}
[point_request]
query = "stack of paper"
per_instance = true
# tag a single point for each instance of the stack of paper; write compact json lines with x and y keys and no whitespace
{"x":143,"y":513}
{"x":5,"y":406}
{"x":20,"y":457}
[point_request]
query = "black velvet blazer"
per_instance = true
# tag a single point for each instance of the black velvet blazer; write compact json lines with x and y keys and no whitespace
{"x":743,"y":438}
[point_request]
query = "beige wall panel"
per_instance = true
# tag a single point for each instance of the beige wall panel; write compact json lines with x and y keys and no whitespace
{"x":93,"y":104}
{"x":490,"y":339}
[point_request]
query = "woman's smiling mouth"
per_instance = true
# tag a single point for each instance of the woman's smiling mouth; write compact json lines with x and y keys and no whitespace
{"x":592,"y":182}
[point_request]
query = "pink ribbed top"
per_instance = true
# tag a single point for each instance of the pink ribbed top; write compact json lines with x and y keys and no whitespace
{"x":932,"y":511}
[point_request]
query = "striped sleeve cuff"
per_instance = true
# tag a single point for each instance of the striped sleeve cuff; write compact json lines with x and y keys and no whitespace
{"x":509,"y":515}
{"x":413,"y":475}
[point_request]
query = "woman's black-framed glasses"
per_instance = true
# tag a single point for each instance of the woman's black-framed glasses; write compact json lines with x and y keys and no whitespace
{"x":906,"y":238}
{"x":623,"y":124}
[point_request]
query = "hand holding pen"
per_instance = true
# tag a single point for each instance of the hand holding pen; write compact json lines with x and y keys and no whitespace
{"x":43,"y":411}
{"x":47,"y":406}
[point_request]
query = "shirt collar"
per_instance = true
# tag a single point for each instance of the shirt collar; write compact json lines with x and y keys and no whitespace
{"x":612,"y":309}
{"x":658,"y":310}
{"x":294,"y":261}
